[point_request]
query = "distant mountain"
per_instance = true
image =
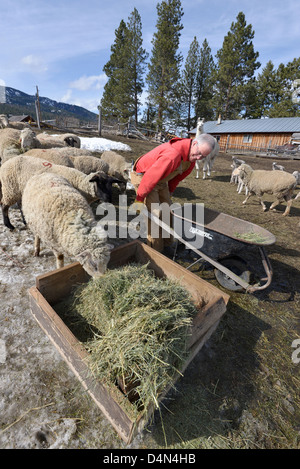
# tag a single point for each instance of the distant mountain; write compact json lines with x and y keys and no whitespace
{"x":18,"y":103}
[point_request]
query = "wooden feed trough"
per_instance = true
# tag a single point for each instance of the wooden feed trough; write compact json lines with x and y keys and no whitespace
{"x":53,"y":287}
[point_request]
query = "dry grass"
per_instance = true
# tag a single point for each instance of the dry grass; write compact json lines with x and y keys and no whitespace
{"x":136,"y":328}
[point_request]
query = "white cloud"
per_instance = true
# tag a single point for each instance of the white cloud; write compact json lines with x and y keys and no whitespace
{"x":67,"y":96}
{"x":34,"y":63}
{"x":85,"y":83}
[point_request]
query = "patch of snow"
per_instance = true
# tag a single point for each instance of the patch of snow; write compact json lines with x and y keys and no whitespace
{"x":102,"y":144}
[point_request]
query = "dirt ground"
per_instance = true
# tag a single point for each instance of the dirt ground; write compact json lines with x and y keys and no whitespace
{"x":242,"y":389}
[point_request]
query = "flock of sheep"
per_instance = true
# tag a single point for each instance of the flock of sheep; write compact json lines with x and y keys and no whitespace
{"x":54,"y":182}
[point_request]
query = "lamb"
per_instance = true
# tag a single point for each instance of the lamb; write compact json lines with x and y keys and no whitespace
{"x":60,"y":217}
{"x":62,"y":140}
{"x":210,"y":159}
{"x":278,"y":183}
{"x":234,"y":177}
{"x":296,"y":174}
{"x":15,"y":173}
{"x":84,"y":163}
{"x":277,"y":167}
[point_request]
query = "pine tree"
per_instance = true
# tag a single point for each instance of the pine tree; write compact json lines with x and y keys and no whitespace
{"x":138,"y":57}
{"x":204,"y":87}
{"x":164,"y":67}
{"x":283,"y":105}
{"x":189,"y":84}
{"x":116,"y":100}
{"x":237,"y":62}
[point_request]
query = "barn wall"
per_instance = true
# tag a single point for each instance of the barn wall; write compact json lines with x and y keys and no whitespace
{"x":260,"y":142}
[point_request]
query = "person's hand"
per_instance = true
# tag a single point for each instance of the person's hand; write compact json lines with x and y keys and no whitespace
{"x":138,"y":206}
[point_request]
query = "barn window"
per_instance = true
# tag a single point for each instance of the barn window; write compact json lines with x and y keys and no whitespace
{"x":247,"y":138}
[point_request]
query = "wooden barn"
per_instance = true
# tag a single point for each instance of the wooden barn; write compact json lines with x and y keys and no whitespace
{"x":252,"y":134}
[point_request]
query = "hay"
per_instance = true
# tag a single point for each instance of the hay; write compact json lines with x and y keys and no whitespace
{"x":255,"y":238}
{"x":140,"y":326}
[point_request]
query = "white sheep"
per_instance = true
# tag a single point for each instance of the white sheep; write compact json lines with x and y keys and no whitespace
{"x":60,"y":217}
{"x":4,"y":123}
{"x":296,"y":174}
{"x":235,"y":177}
{"x":66,"y":151}
{"x":62,"y":140}
{"x":277,"y":167}
{"x":85,"y":163}
{"x":278,"y":183}
{"x":118,"y":166}
{"x":15,"y":173}
{"x":210,"y":159}
{"x":14,"y":142}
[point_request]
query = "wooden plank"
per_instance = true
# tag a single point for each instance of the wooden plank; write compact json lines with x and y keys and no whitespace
{"x":57,"y":284}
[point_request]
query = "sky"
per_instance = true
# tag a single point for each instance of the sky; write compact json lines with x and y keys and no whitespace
{"x":61,"y":46}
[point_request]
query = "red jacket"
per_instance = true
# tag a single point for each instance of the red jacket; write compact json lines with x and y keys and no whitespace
{"x":160,"y":162}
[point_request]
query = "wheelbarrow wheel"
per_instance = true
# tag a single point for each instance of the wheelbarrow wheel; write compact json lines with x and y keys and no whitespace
{"x":238,"y":267}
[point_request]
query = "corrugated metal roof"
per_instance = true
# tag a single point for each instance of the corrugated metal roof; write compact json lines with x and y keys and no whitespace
{"x":278,"y":124}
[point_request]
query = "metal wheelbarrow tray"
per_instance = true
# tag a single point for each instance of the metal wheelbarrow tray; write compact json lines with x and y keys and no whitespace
{"x":224,"y":238}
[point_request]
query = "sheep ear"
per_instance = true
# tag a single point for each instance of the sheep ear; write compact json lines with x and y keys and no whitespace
{"x":94,"y":178}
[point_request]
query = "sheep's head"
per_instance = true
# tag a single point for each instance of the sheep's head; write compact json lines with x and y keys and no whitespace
{"x":243,"y":171}
{"x":3,"y":121}
{"x":103,"y":185}
{"x":27,"y":139}
{"x":95,"y":261}
{"x":72,"y":141}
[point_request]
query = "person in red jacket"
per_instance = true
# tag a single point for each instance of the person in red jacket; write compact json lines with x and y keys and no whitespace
{"x":156,"y":175}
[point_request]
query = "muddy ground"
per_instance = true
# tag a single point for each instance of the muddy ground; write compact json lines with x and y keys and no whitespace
{"x":241,"y":391}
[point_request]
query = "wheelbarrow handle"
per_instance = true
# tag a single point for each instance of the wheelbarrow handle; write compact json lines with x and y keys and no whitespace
{"x":216,"y":264}
{"x":249,"y":288}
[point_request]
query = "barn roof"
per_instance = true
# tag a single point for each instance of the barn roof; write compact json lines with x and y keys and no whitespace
{"x":273,"y":125}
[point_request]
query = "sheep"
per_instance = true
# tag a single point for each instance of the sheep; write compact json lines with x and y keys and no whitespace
{"x":62,"y":140}
{"x":234,"y":177}
{"x":15,"y":173}
{"x":14,"y":142}
{"x":65,"y":151}
{"x":60,"y":217}
{"x":4,"y":123}
{"x":296,"y":174}
{"x":278,"y":183}
{"x":118,"y":166}
{"x":84,"y":163}
{"x":209,"y":160}
{"x":277,"y":167}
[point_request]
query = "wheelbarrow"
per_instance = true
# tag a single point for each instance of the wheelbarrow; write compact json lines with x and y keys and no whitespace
{"x":223,"y":240}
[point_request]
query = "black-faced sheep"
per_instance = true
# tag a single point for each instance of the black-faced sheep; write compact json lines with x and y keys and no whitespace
{"x":278,"y":183}
{"x":56,"y":141}
{"x":60,"y":217}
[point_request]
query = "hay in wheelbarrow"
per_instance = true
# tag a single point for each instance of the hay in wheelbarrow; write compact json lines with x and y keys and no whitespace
{"x":140,"y":327}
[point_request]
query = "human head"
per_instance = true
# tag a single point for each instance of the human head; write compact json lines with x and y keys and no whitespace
{"x":201,"y":146}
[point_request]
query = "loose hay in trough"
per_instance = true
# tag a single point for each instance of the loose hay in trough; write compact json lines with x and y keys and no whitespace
{"x":135,"y":327}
